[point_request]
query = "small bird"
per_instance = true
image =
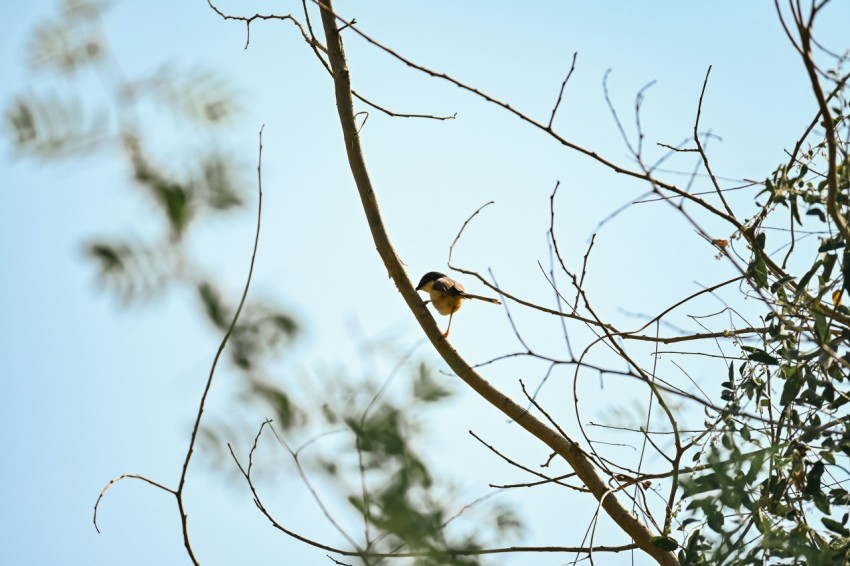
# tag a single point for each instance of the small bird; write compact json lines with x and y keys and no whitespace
{"x":447,"y":294}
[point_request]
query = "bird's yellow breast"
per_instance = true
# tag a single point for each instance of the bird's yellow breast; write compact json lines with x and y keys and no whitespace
{"x":445,"y":304}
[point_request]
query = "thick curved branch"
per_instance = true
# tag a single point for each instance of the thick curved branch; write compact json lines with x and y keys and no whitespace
{"x":564,"y":446}
{"x":828,"y":122}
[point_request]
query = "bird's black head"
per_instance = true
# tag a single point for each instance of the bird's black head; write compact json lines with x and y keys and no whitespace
{"x":429,"y":277}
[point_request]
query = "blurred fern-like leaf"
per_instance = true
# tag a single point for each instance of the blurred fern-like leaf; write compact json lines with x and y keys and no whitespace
{"x":200,"y":95}
{"x":180,"y":198}
{"x":400,"y":498}
{"x":131,"y":270}
{"x":52,"y":126}
{"x":263,"y":329}
{"x":174,"y":198}
{"x":216,"y":184}
{"x":213,"y":306}
{"x":68,"y":42}
{"x":426,"y":388}
{"x":287,"y":413}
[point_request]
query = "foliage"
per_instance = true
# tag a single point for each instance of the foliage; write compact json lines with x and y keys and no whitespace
{"x":50,"y":124}
{"x":403,"y":509}
{"x":774,"y":484}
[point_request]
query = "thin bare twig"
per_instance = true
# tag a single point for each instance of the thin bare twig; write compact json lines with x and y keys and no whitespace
{"x":318,"y":49}
{"x":246,"y":473}
{"x":183,"y":474}
{"x":249,"y":19}
{"x":701,"y":150}
{"x":303,"y":475}
{"x":463,"y":227}
{"x":178,"y":493}
{"x":113,"y":481}
{"x":537,"y":124}
{"x":392,"y":114}
{"x":544,"y":477}
{"x":561,"y":92}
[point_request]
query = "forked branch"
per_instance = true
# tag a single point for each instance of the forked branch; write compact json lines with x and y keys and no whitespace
{"x":561,"y":444}
{"x":178,"y":493}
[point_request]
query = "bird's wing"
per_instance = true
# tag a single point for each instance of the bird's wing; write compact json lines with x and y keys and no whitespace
{"x":448,"y":287}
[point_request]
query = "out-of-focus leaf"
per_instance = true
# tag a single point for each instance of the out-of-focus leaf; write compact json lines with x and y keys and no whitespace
{"x":829,"y":260}
{"x":808,"y":276}
{"x":813,"y":479}
{"x":52,"y":126}
{"x":110,"y":258}
{"x":211,"y":442}
{"x":175,"y":200}
{"x":692,"y":553}
{"x":283,"y":324}
{"x":815,"y":211}
{"x":821,"y":326}
{"x":217,"y":186}
{"x":211,"y":299}
{"x":380,"y":433}
{"x":830,"y":244}
{"x":131,"y":270}
{"x":329,"y":414}
{"x":22,"y":121}
{"x":330,"y":466}
{"x":762,"y":357}
{"x":261,"y":331}
{"x":69,"y":41}
{"x":507,"y":521}
{"x":795,"y":212}
{"x":198,"y":94}
{"x":757,"y":270}
{"x":287,"y":413}
{"x":714,"y":517}
{"x":835,"y":526}
{"x":793,"y":384}
{"x":426,"y":388}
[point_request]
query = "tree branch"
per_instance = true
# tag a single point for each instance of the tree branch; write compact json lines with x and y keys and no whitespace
{"x":828,"y":121}
{"x":564,"y":446}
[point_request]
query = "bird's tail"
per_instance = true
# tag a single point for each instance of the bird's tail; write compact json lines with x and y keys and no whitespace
{"x":480,"y":298}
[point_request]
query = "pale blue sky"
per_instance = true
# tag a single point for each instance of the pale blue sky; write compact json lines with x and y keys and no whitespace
{"x":88,"y":391}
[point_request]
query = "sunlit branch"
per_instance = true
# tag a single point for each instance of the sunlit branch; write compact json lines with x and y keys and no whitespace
{"x":565,"y":447}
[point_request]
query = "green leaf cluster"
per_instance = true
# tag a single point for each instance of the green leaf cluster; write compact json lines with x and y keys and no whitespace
{"x":770,"y":486}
